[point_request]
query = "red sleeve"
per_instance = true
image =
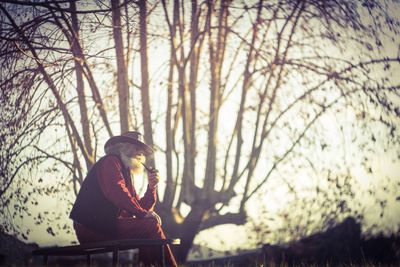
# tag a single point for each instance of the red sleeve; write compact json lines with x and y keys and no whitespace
{"x":148,"y":201}
{"x":112,"y":183}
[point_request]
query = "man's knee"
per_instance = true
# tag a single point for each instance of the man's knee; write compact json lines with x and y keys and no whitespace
{"x":154,"y":228}
{"x":153,"y":223}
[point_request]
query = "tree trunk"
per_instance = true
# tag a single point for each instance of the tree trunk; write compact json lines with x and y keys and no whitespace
{"x":216,"y":53}
{"x":148,"y":131}
{"x":188,"y":231}
{"x":97,"y":97}
{"x":85,"y":68}
{"x":196,"y":42}
{"x":122,"y":75}
{"x":188,"y":187}
{"x":245,"y":87}
{"x":169,"y":189}
{"x":77,"y":52}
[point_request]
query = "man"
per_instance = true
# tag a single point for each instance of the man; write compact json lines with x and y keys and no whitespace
{"x":108,"y":207}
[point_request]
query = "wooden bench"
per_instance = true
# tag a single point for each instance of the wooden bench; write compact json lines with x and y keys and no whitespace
{"x":113,"y":246}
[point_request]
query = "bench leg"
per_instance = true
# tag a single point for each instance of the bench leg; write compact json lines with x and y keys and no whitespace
{"x":88,"y":260}
{"x":163,"y":255}
{"x":135,"y":259}
{"x":115,"y":258}
{"x":45,"y":260}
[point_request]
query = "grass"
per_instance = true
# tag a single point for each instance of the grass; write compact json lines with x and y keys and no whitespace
{"x":298,"y":265}
{"x":250,"y":262}
{"x":228,"y":264}
{"x":257,"y":265}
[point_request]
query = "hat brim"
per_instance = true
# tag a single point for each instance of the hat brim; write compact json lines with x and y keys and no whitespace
{"x":147,"y":150}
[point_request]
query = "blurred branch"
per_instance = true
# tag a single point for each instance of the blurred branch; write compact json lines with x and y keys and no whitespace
{"x":75,"y":44}
{"x":20,"y":165}
{"x":240,"y":115}
{"x":281,"y":158}
{"x":255,"y":153}
{"x":228,"y":218}
{"x":66,"y":10}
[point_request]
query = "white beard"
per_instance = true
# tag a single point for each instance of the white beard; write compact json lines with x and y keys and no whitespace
{"x":133,"y":164}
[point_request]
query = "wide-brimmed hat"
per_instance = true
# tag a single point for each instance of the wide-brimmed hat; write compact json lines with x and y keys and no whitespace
{"x":132,"y":137}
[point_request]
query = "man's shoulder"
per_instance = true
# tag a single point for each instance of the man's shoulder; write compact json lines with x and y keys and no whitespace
{"x":109,"y":165}
{"x":110,"y":160}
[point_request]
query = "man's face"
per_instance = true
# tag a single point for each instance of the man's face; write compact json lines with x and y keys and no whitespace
{"x":133,"y":157}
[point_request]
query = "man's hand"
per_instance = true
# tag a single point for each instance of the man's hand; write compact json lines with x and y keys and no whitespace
{"x":152,"y":214}
{"x":153,"y":178}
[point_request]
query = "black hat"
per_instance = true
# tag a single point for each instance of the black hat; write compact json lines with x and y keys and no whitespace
{"x":131,"y":138}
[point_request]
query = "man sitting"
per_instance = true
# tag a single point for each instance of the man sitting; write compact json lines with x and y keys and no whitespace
{"x":107,"y":206}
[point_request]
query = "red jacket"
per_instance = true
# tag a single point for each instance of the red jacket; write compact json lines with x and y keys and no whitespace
{"x":107,"y":193}
{"x":116,"y":184}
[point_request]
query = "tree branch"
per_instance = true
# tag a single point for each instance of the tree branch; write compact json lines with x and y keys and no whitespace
{"x":228,"y":218}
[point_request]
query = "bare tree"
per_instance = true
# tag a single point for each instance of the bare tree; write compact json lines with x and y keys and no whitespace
{"x":248,"y":85}
{"x":268,"y":59}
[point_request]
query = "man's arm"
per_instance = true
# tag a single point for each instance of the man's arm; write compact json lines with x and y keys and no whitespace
{"x":148,"y":201}
{"x":112,"y":183}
